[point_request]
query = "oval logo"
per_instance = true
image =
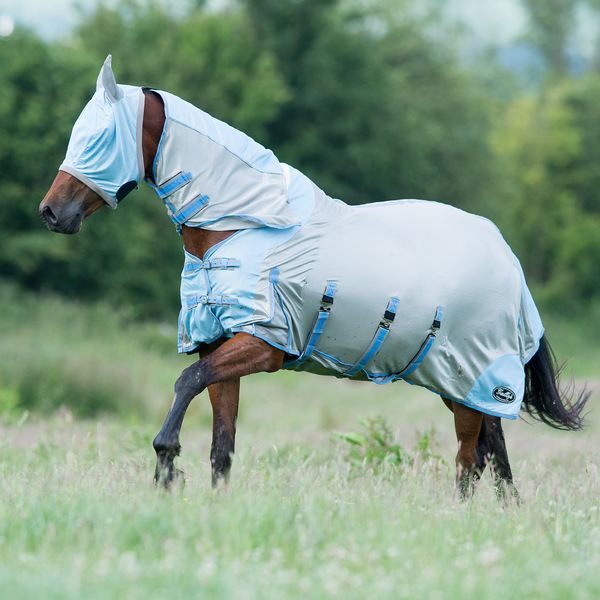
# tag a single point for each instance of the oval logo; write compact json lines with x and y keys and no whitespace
{"x":504,"y":394}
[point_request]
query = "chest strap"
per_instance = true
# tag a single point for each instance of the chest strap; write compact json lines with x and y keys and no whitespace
{"x":382,"y":332}
{"x":165,"y":189}
{"x":211,"y":263}
{"x":189,"y":208}
{"x":188,"y":211}
{"x":216,"y":299}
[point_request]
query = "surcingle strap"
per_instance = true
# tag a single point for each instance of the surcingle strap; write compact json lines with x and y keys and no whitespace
{"x":211,"y":263}
{"x":319,"y":326}
{"x":417,"y":359}
{"x":382,"y":332}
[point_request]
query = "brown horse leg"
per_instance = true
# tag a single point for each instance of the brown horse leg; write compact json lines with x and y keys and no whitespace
{"x":482,"y":452}
{"x":467,"y":423}
{"x":448,"y":403}
{"x":496,"y":450}
{"x":224,"y":398}
{"x":241,"y":355}
{"x":491,"y":449}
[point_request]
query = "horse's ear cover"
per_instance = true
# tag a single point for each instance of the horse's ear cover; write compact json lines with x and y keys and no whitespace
{"x":105,"y":147}
{"x":106,"y":81}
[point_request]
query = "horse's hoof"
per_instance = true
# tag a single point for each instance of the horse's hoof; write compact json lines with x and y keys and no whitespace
{"x":508,"y":495}
{"x":178,"y":479}
{"x":169,"y":479}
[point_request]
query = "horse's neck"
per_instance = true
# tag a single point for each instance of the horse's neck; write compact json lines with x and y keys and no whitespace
{"x":153,"y":125}
{"x":196,"y":241}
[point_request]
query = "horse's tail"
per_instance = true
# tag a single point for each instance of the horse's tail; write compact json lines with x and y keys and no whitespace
{"x":544,"y":400}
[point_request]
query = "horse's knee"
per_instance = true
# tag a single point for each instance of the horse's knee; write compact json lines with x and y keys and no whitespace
{"x":191,"y":381}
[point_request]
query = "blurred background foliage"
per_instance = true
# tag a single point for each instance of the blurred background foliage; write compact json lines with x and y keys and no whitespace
{"x":372,"y":99}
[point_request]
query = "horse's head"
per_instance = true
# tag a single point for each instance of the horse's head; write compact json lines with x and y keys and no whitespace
{"x":104,"y":159}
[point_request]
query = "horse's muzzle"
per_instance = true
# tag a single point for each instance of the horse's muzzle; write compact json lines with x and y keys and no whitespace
{"x":61,"y":223}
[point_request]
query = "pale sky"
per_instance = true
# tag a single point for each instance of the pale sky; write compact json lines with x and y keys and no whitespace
{"x":496,"y":21}
{"x":493,"y":21}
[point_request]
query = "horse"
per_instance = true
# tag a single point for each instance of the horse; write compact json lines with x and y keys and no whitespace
{"x":279,"y":275}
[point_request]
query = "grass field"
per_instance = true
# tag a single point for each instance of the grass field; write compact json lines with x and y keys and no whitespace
{"x":80,"y":518}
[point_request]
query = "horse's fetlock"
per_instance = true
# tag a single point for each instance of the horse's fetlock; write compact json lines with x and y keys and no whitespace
{"x":221,"y":462}
{"x":165,"y":447}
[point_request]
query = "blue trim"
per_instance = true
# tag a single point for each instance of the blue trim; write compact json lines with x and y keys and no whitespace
{"x":222,"y":243}
{"x":276,"y":296}
{"x":260,"y":337}
{"x":380,"y":335}
{"x":287,"y":320}
{"x":333,"y":358}
{"x":194,"y":206}
{"x":484,"y":410}
{"x":250,"y":219}
{"x":173,"y":184}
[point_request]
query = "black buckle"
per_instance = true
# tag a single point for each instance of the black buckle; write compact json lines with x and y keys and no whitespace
{"x":326,"y":302}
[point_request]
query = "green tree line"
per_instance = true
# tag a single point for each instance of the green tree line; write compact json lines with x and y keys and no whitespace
{"x":370,"y":99}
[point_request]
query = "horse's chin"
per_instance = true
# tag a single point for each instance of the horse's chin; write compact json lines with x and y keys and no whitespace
{"x":71,"y":227}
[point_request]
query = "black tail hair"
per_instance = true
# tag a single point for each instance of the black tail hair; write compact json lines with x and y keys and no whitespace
{"x":544,"y":400}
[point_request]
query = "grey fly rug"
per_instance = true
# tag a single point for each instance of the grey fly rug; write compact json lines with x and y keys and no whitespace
{"x":408,"y":289}
{"x":403,"y":290}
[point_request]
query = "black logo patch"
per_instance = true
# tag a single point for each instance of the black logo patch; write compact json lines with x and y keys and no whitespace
{"x":504,"y":394}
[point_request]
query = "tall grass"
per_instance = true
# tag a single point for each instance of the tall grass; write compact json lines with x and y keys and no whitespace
{"x":91,"y":359}
{"x":79,"y":518}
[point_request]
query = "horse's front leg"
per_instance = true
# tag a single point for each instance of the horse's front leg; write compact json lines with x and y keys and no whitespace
{"x":224,"y":398}
{"x":241,"y":355}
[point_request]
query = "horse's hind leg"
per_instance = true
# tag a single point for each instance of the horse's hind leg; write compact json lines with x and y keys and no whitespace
{"x":495,"y":452}
{"x":469,"y":463}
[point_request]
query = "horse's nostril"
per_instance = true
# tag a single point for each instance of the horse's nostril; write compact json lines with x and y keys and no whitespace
{"x":49,"y":216}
